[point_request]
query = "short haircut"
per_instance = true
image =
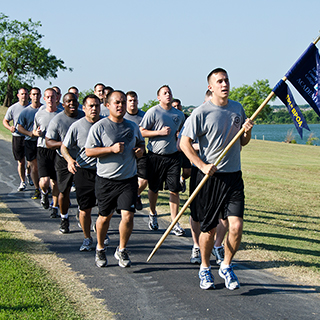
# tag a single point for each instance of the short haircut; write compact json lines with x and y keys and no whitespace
{"x":65,"y":96}
{"x":164,"y":86}
{"x":132,"y":94}
{"x":108,"y":88}
{"x":35,"y":88}
{"x":214,"y":71}
{"x":90,"y":96}
{"x":109,"y":95}
{"x":208,"y":93}
{"x":176,"y":100}
{"x":99,"y":84}
{"x":50,"y":89}
{"x":23,"y":88}
{"x":55,"y":88}
{"x":73,"y":88}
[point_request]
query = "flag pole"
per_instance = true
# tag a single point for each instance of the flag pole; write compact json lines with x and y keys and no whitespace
{"x":206,"y":177}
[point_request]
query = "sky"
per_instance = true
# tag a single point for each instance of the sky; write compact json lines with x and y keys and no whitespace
{"x":142,"y":45}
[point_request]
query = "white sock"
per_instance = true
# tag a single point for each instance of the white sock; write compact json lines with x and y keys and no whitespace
{"x":64,"y":216}
{"x":204,"y":268}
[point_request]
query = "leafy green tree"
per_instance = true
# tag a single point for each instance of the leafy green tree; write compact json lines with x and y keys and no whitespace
{"x":149,"y":104}
{"x":16,"y":85}
{"x":251,"y":97}
{"x":22,"y":58}
{"x":83,"y":94}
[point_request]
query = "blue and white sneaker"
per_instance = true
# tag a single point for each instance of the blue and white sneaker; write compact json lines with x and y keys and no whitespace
{"x":206,"y":279}
{"x":230,"y":279}
{"x":219,"y":254}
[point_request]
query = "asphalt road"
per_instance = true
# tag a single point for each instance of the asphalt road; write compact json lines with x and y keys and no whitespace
{"x":167,"y":287}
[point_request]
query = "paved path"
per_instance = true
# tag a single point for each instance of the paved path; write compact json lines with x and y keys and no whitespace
{"x":168,"y":286}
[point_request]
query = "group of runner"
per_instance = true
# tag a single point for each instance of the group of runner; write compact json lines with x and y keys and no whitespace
{"x":100,"y":148}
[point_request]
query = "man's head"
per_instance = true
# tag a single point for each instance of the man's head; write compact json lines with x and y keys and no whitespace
{"x":132,"y":102}
{"x":176,"y":103}
{"x":50,"y":98}
{"x":35,"y":96}
{"x":91,"y":107}
{"x":99,"y":91}
{"x":23,"y":96}
{"x":117,"y":104}
{"x":58,"y":93}
{"x":164,"y":95}
{"x":74,"y":90}
{"x":218,"y":83}
{"x":208,"y":95}
{"x":70,"y":104}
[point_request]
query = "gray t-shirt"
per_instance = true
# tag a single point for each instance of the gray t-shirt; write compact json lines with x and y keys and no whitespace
{"x":215,"y":127}
{"x":104,"y":111}
{"x":136,"y":118}
{"x":59,"y":126}
{"x":26,"y":119}
{"x":155,"y":119}
{"x":42,"y":119}
{"x":76,"y":138}
{"x":105,"y":133}
{"x":13,"y":114}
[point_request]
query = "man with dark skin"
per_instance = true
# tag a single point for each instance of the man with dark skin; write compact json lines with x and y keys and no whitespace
{"x":56,"y":132}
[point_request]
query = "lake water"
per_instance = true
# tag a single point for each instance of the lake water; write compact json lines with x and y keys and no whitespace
{"x":278,"y":132}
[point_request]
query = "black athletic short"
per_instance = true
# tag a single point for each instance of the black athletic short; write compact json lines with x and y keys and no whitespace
{"x":45,"y":159}
{"x":30,"y":149}
{"x":84,"y":180}
{"x":221,"y":196}
{"x":164,"y":168}
{"x":64,"y":176}
{"x":142,"y":167}
{"x":186,"y":164}
{"x":116,"y":195}
{"x":18,"y":147}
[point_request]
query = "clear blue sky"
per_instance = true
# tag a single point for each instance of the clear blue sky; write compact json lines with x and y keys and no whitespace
{"x":141,"y":45}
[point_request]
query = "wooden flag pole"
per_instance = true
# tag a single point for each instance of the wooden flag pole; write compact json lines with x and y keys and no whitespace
{"x":206,"y":177}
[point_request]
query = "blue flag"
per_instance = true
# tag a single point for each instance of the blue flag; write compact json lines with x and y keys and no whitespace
{"x":305,"y":77}
{"x":284,"y":93}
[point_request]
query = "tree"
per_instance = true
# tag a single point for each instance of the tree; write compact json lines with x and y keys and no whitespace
{"x":22,"y":58}
{"x":251,"y":97}
{"x":149,"y":104}
{"x":83,"y":94}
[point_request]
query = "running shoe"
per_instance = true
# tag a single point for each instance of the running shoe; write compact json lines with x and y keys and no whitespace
{"x":36,"y":195}
{"x":139,"y":203}
{"x":206,"y":279}
{"x":178,"y":230}
{"x":45,"y":200}
{"x":54,"y":212}
{"x":101,"y":258}
{"x":64,"y":226}
{"x":123,"y":258}
{"x":195,"y":256}
{"x":87,"y":245}
{"x":106,"y":240}
{"x":22,"y":186}
{"x":29,"y":180}
{"x":230,"y":279}
{"x":219,"y":254}
{"x":153,"y":222}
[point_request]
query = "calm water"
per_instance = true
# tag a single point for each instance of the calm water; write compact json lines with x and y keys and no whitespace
{"x":278,"y":132}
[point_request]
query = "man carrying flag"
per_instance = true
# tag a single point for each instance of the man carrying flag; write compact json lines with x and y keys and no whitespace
{"x":214,"y":124}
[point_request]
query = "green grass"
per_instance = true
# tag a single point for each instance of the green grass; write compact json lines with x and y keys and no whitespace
{"x":26,"y":289}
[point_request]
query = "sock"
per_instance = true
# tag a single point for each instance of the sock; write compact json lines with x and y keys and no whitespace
{"x":218,"y":247}
{"x":196,"y":247}
{"x":224,"y":266}
{"x":204,"y":268}
{"x":64,"y":216}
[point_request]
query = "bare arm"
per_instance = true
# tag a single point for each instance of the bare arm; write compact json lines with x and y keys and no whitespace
{"x":165,"y":131}
{"x":22,"y":130}
{"x":103,"y":151}
{"x":186,"y":147}
{"x":7,"y":125}
{"x":72,"y":164}
{"x":53,"y":144}
{"x":245,"y":138}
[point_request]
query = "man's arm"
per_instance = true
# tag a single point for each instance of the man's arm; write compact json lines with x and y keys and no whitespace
{"x":7,"y":125}
{"x":72,"y":164}
{"x":53,"y":144}
{"x":165,"y":131}
{"x":22,"y":130}
{"x":245,"y":138}
{"x":186,"y":147}
{"x":103,"y":151}
{"x":139,"y":151}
